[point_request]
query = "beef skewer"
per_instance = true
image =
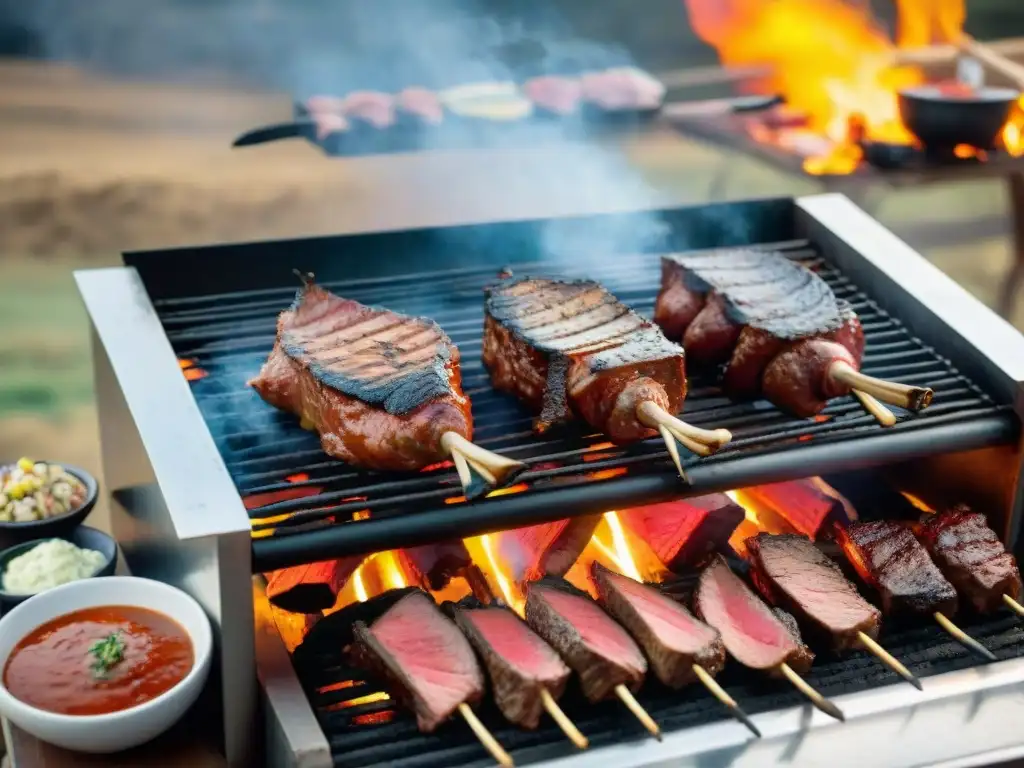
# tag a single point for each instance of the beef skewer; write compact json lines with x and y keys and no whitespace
{"x":413,"y":634}
{"x":526,"y":673}
{"x":777,"y":327}
{"x":889,"y":558}
{"x":680,"y":648}
{"x":753,"y":634}
{"x":791,"y":572}
{"x":383,"y":390}
{"x":971,"y":556}
{"x":597,"y":649}
{"x":572,"y":350}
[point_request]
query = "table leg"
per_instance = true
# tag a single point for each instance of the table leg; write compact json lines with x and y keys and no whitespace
{"x":1012,"y":284}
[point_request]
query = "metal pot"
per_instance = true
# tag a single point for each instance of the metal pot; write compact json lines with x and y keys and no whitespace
{"x":942,"y":118}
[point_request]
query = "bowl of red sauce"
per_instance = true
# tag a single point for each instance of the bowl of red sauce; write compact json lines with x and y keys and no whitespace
{"x":103,"y":665}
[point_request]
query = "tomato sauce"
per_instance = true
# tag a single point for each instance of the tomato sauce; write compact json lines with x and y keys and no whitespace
{"x":99,"y":660}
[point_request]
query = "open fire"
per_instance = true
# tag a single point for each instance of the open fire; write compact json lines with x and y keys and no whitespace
{"x":837,"y":69}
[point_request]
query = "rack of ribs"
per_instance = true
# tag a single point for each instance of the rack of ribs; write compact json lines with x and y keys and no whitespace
{"x":777,"y":328}
{"x":382,"y":389}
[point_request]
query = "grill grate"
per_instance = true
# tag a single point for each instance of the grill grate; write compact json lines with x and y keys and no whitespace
{"x":306,"y":506}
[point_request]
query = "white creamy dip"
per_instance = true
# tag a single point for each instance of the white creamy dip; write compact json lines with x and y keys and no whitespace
{"x":50,"y":564}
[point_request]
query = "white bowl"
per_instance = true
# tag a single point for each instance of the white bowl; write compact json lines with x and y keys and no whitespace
{"x":129,"y":727}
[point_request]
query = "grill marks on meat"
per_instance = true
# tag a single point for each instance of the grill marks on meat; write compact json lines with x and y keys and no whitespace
{"x":971,"y":556}
{"x":545,"y":549}
{"x":791,"y":572}
{"x":593,"y":645}
{"x":572,"y":349}
{"x":670,"y":636}
{"x":381,"y":388}
{"x":425,"y":657}
{"x":682,"y":532}
{"x":752,"y":633}
{"x":518,"y":662}
{"x":889,"y":557}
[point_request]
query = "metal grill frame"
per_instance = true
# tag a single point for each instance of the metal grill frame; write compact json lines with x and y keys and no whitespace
{"x":179,"y":518}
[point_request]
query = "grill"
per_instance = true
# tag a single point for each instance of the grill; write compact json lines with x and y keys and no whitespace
{"x":229,"y":336}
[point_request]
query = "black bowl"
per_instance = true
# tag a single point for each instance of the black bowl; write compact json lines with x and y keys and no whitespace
{"x":83,"y":537}
{"x":53,"y":527}
{"x":942,"y":121}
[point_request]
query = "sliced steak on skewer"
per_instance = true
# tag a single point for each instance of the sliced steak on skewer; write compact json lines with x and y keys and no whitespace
{"x":777,"y":327}
{"x":383,"y":389}
{"x":571,"y":349}
{"x":971,"y":556}
{"x":547,"y":549}
{"x":804,"y":656}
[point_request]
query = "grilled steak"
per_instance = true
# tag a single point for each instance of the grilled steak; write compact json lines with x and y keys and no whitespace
{"x":752,"y":633}
{"x":596,"y":648}
{"x":804,"y":656}
{"x":436,"y":564}
{"x":682,"y":532}
{"x":889,"y":557}
{"x":572,"y":349}
{"x":803,"y":504}
{"x":775,"y":324}
{"x":424,"y":656}
{"x":671,"y":637}
{"x":310,"y":588}
{"x":518,"y":661}
{"x":381,"y":388}
{"x":545,"y":549}
{"x":971,"y":556}
{"x":792,"y":573}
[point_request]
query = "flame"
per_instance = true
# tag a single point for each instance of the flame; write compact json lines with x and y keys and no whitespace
{"x":624,"y":558}
{"x":607,"y":474}
{"x":481,"y":549}
{"x":301,"y":477}
{"x":921,"y":23}
{"x":191,"y":371}
{"x":358,"y":586}
{"x":918,"y":502}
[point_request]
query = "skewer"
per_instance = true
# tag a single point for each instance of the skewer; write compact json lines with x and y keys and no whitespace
{"x":891,"y":392}
{"x":673,"y":451}
{"x":638,"y":711}
{"x":883,"y":415}
{"x":719,"y":693}
{"x":486,"y":739}
{"x":889,"y":660}
{"x":816,"y":698}
{"x":702,"y":442}
{"x":1013,"y":605}
{"x":568,"y":726}
{"x":492,"y":469}
{"x":963,"y":638}
{"x":999,"y":62}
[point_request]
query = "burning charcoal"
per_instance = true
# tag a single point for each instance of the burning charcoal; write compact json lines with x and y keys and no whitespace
{"x":802,"y":503}
{"x":334,"y":631}
{"x":682,"y":532}
{"x":971,"y":556}
{"x":791,"y":572}
{"x":593,"y":645}
{"x":545,"y":549}
{"x":429,"y":663}
{"x":519,"y":662}
{"x":671,"y":637}
{"x":434,"y":565}
{"x":310,"y":588}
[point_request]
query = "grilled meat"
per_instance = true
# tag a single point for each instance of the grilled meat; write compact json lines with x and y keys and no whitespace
{"x":381,"y":388}
{"x":596,"y":648}
{"x":802,"y":504}
{"x":682,"y":532}
{"x":545,"y":549}
{"x":423,"y":104}
{"x":671,"y":637}
{"x":422,"y":653}
{"x":775,"y":324}
{"x":621,"y":89}
{"x":804,"y":656}
{"x":889,"y":558}
{"x":572,"y":349}
{"x":518,"y":661}
{"x":791,"y":572}
{"x":752,"y":633}
{"x":434,"y":565}
{"x":555,"y":94}
{"x":971,"y":556}
{"x":310,"y":588}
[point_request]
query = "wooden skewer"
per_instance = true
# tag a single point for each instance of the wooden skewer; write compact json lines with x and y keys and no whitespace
{"x":902,"y":395}
{"x":639,"y":712}
{"x":883,"y":415}
{"x":489,"y":742}
{"x":963,"y":638}
{"x":673,"y":451}
{"x":1008,"y":67}
{"x":889,"y":660}
{"x":1014,"y":605}
{"x":568,"y":726}
{"x":719,"y":693}
{"x":495,"y":470}
{"x":816,"y":698}
{"x":701,"y":441}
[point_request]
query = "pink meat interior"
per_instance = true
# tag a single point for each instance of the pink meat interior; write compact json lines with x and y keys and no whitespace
{"x":673,"y":625}
{"x":514,"y":641}
{"x":597,"y":629}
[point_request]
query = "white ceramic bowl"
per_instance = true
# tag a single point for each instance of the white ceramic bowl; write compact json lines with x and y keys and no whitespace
{"x":129,"y":727}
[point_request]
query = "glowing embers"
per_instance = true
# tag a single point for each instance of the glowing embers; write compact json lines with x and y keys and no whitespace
{"x":191,"y":371}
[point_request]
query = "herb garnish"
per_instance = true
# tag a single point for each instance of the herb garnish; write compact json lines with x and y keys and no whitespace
{"x":107,"y":653}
